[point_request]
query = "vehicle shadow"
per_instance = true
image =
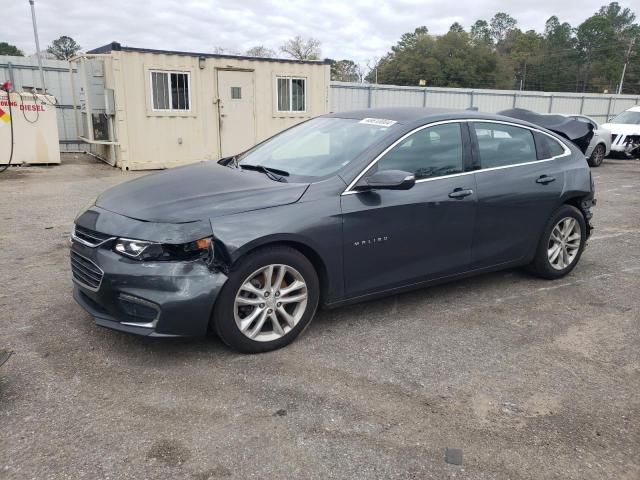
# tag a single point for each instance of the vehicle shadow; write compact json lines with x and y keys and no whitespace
{"x":338,"y":321}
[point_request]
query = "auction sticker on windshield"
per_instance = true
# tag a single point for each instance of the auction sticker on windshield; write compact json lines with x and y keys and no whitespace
{"x":382,"y":122}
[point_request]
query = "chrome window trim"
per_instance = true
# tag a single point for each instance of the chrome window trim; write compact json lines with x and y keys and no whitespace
{"x":567,"y":152}
{"x":88,"y":244}
{"x":82,"y":284}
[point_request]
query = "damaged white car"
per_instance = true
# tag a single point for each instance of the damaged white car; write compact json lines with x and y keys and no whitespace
{"x":625,"y":132}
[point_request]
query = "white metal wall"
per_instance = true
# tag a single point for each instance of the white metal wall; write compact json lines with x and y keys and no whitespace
{"x":350,"y":96}
{"x":24,"y":74}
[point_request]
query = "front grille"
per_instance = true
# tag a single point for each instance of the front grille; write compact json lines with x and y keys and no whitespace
{"x":618,"y":139}
{"x":90,"y":238}
{"x":85,"y":272}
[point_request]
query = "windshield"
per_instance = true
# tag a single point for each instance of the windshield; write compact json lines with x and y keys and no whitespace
{"x":628,"y":117}
{"x":318,"y":147}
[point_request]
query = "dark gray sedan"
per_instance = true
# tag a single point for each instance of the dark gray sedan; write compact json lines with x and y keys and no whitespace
{"x":339,"y":209}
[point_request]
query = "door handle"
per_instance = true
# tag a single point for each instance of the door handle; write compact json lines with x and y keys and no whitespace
{"x":461,"y":193}
{"x":544,"y":179}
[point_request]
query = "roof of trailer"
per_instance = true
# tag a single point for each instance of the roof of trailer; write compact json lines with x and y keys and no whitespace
{"x":117,"y":47}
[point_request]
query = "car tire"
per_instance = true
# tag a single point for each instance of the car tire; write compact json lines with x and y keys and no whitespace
{"x":597,"y":156}
{"x":253,"y":313}
{"x":561,"y":244}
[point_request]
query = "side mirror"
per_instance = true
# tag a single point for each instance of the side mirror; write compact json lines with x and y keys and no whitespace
{"x":388,"y":180}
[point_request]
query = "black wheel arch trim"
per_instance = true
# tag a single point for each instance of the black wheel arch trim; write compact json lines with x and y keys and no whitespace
{"x":303,"y":245}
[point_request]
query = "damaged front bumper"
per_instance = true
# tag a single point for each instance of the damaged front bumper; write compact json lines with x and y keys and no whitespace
{"x":628,"y":145}
{"x":154,"y":298}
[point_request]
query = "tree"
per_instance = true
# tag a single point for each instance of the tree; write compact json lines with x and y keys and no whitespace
{"x":302,"y":49}
{"x":449,"y":60}
{"x":524,"y":50}
{"x":345,"y":71}
{"x":410,"y":40}
{"x":220,"y":50}
{"x":8,"y":49}
{"x":372,"y":68}
{"x":64,"y":48}
{"x":260,"y":51}
{"x":559,"y":52}
{"x":500,"y":25}
{"x":481,"y":33}
{"x":602,"y":41}
{"x":496,"y":54}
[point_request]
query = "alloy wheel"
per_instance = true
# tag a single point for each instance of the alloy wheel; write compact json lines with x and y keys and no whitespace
{"x":564,"y":243}
{"x":270,"y":302}
{"x":598,"y":154}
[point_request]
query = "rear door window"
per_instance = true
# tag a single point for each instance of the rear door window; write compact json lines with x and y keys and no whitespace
{"x":547,"y":146}
{"x":501,"y":145}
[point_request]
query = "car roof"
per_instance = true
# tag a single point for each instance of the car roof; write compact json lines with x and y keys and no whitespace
{"x":635,"y":108}
{"x":417,"y":115}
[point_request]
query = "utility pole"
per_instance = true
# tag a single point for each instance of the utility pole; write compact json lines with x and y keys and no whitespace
{"x":626,"y":62}
{"x":35,"y":35}
{"x":624,"y":70}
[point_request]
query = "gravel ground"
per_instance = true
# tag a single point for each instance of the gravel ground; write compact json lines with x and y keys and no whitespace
{"x":530,"y":378}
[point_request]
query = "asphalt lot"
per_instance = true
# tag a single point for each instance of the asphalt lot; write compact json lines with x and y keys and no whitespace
{"x":530,"y":378}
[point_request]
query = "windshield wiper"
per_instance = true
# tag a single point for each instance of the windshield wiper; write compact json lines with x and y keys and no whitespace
{"x":273,"y":173}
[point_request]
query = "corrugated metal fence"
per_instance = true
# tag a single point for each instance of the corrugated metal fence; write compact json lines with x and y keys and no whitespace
{"x":351,"y":96}
{"x":24,"y":74}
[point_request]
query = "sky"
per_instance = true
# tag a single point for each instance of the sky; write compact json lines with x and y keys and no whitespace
{"x":361,"y":30}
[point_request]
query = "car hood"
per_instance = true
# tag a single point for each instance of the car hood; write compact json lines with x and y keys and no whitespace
{"x":622,"y":128}
{"x":196,"y":192}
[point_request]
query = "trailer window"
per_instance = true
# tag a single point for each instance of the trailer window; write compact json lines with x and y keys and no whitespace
{"x":291,"y":94}
{"x":170,"y":90}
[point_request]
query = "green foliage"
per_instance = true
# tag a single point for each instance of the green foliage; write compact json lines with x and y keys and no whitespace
{"x":345,"y":71}
{"x":497,"y":54}
{"x":8,"y":49}
{"x":481,"y":33}
{"x":64,"y":48}
{"x":500,"y":25}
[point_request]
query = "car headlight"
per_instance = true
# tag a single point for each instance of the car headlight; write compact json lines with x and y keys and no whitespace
{"x":144,"y":250}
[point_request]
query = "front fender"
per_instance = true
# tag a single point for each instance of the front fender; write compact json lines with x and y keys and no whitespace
{"x":317,"y":225}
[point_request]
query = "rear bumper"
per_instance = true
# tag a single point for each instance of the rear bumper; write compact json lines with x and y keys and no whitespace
{"x":161,"y":299}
